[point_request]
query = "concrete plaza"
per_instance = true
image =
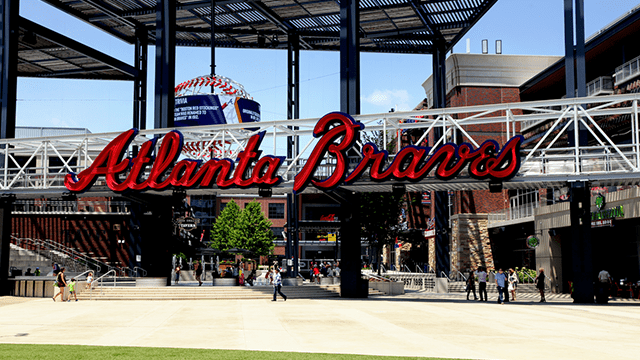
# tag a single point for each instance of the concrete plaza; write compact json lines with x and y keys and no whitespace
{"x":414,"y":324}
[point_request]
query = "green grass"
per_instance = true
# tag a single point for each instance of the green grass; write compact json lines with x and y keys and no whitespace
{"x":80,"y":352}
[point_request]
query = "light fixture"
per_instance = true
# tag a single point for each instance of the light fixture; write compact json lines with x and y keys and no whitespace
{"x":498,"y":46}
{"x":495,"y":187}
{"x":485,"y":46}
{"x":265,"y":192}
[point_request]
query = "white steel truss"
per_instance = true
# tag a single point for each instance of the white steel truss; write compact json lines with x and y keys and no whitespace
{"x":39,"y":165}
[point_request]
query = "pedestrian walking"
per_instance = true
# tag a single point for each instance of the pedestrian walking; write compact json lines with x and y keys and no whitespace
{"x":62,"y":283}
{"x":471,"y":285}
{"x":316,"y":273}
{"x":540,"y":284}
{"x":276,"y":281}
{"x":482,"y":283}
{"x":72,"y":290}
{"x":513,"y":283}
{"x":89,"y":281}
{"x":197,"y":272}
{"x":603,"y":287}
{"x":501,"y":280}
{"x":177,"y":276}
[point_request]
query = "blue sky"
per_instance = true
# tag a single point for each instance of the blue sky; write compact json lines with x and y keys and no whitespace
{"x":388,"y":81}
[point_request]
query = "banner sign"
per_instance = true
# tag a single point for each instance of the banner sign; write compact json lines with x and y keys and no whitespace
{"x":197,"y":110}
{"x":601,"y":223}
{"x":337,"y":133}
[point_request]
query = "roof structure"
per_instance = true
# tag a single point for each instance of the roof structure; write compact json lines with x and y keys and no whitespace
{"x":45,"y":53}
{"x":603,"y":50}
{"x":393,"y":26}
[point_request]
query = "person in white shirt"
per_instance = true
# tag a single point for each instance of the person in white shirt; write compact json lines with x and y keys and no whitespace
{"x":276,"y":280}
{"x":482,"y":283}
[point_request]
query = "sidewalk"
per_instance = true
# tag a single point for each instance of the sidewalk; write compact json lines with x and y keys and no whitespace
{"x":416,"y":324}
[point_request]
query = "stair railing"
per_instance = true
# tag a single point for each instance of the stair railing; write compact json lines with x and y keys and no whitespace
{"x":100,"y":281}
{"x":138,"y":270}
{"x":60,"y":254}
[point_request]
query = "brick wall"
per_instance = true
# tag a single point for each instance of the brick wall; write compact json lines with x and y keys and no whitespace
{"x":264,"y":205}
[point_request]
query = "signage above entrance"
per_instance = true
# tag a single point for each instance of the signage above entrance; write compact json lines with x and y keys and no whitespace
{"x":337,"y":133}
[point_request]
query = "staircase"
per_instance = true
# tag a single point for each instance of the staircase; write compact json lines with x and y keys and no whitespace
{"x":211,"y":293}
{"x":47,"y":251}
{"x":23,"y":259}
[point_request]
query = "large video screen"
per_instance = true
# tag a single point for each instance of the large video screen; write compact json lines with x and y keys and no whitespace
{"x":197,"y":110}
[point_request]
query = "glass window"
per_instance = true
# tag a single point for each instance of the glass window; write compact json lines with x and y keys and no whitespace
{"x":277,"y":231}
{"x":276,"y":211}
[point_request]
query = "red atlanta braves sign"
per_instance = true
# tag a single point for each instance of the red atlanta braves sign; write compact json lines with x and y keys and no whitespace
{"x":337,"y":133}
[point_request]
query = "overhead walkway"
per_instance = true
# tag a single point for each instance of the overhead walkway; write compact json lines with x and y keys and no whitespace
{"x":543,"y":162}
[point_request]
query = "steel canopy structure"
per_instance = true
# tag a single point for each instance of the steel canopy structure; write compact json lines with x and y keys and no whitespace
{"x":45,"y":53}
{"x":396,"y":26}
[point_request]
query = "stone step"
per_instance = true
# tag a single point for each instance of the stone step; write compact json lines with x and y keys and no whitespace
{"x":194,"y":293}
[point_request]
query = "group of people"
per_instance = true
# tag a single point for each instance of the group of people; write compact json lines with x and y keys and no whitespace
{"x":236,"y":271}
{"x":35,"y":273}
{"x":61,"y":283}
{"x":323,"y":269}
{"x":504,"y":282}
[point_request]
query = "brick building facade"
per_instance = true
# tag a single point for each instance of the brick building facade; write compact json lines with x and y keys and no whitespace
{"x":476,"y":79}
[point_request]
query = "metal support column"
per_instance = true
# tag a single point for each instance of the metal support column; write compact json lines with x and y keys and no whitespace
{"x":9,"y":67}
{"x":165,"y":63}
{"x":9,"y":39}
{"x":351,"y":283}
{"x":140,"y":83}
{"x":349,"y":57}
{"x":581,"y":254}
{"x":293,"y":90}
{"x":213,"y":41}
{"x":6,"y":206}
{"x":441,"y":198}
{"x":569,"y":60}
{"x":581,"y":74}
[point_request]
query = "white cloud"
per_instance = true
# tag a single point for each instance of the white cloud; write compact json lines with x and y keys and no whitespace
{"x":387,"y":99}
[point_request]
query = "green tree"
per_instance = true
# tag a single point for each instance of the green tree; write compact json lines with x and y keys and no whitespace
{"x":254,"y":230}
{"x":224,"y":234}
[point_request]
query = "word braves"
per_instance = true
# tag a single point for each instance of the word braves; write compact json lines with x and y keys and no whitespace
{"x":338,"y":133}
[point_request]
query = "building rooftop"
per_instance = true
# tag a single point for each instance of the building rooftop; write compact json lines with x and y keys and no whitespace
{"x":490,"y":70}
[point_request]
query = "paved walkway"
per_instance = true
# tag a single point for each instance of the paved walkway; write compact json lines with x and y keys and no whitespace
{"x":416,"y":324}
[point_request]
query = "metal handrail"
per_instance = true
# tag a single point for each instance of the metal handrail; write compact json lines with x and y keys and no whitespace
{"x":382,"y":268}
{"x":70,"y":254}
{"x":443,"y":274}
{"x":419,"y":270}
{"x":93,"y":284}
{"x":406,"y":267}
{"x":458,"y":273}
{"x":136,"y":269}
{"x":127,"y":270}
{"x":86,"y":272}
{"x":375,"y":276}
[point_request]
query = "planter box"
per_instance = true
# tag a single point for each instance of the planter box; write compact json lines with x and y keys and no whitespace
{"x":388,"y":287}
{"x":442,"y":285}
{"x":225,"y":282}
{"x":291,"y":282}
